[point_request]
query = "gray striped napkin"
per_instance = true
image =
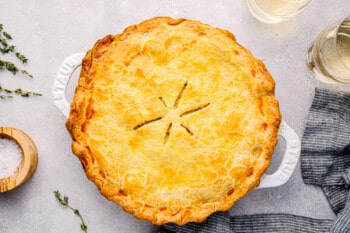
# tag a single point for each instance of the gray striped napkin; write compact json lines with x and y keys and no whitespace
{"x":325,"y":162}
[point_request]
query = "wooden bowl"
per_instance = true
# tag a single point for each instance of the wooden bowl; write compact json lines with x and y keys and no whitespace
{"x":29,"y":158}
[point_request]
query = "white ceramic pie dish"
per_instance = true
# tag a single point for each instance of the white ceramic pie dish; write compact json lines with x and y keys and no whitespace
{"x":279,"y":177}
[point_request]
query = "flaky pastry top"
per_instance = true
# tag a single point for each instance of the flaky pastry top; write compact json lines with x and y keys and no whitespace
{"x":173,"y":119}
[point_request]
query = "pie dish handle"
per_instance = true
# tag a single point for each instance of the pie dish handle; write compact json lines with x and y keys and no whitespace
{"x":289,"y":161}
{"x":62,"y":79}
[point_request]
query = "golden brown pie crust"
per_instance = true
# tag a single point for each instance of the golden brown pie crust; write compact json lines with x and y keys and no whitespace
{"x":173,"y":120}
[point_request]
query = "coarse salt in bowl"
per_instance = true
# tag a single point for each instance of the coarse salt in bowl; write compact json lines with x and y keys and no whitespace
{"x":18,"y":158}
{"x":10,"y":157}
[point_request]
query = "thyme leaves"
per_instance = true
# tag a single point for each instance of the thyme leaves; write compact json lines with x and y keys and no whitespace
{"x":64,"y":201}
{"x":5,"y":48}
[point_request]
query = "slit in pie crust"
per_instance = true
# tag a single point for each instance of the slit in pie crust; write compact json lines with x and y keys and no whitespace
{"x":173,"y":119}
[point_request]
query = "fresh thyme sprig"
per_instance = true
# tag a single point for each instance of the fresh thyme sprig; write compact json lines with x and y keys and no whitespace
{"x":18,"y":91}
{"x":64,"y":202}
{"x":6,"y":47}
{"x":13,"y":68}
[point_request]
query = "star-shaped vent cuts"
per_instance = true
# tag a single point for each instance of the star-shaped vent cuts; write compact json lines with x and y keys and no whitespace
{"x":174,"y":114}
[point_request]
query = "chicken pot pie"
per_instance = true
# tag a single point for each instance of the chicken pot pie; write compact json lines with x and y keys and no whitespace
{"x":173,"y":120}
